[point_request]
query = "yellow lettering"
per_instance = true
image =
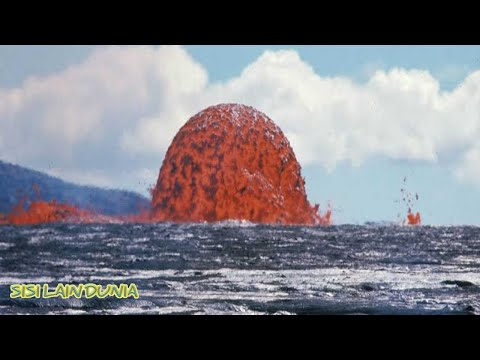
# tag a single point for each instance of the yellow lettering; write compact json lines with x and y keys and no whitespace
{"x":29,"y":291}
{"x":15,"y":291}
{"x":90,"y":290}
{"x":133,"y":291}
{"x":61,"y":291}
{"x":115,"y":291}
{"x":74,"y":290}
{"x":46,"y":293}
{"x":103,"y":292}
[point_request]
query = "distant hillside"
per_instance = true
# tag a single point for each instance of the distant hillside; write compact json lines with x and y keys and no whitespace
{"x":16,"y":181}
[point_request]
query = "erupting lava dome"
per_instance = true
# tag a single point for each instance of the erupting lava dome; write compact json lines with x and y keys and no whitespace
{"x":231,"y":161}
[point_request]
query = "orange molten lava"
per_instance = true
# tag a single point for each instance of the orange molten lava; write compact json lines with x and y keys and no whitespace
{"x":42,"y":212}
{"x":408,"y":199}
{"x":232,"y":162}
{"x":413,"y":219}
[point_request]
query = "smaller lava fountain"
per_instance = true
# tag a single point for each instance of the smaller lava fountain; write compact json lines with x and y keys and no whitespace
{"x":413,"y":219}
{"x":40,"y":212}
{"x":408,"y":199}
{"x":44,"y":212}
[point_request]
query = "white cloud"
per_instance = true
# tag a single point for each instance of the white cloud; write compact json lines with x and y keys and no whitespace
{"x":109,"y":92}
{"x":121,"y":108}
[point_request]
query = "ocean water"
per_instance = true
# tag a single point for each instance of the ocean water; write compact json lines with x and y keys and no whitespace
{"x":242,"y":268}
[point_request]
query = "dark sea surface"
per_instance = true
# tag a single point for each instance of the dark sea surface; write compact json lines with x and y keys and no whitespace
{"x":241,"y":268}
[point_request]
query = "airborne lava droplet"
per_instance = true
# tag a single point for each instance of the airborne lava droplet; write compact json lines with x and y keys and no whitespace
{"x":232,"y":162}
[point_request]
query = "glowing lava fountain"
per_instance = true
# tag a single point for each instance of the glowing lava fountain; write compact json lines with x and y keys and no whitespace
{"x":232,"y":162}
{"x":413,"y":219}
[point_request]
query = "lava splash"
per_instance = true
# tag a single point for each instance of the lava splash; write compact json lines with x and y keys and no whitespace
{"x":409,"y":199}
{"x":231,"y":161}
{"x":413,"y":219}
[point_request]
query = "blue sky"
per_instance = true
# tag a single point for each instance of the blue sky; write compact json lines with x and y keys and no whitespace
{"x":57,"y":115}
